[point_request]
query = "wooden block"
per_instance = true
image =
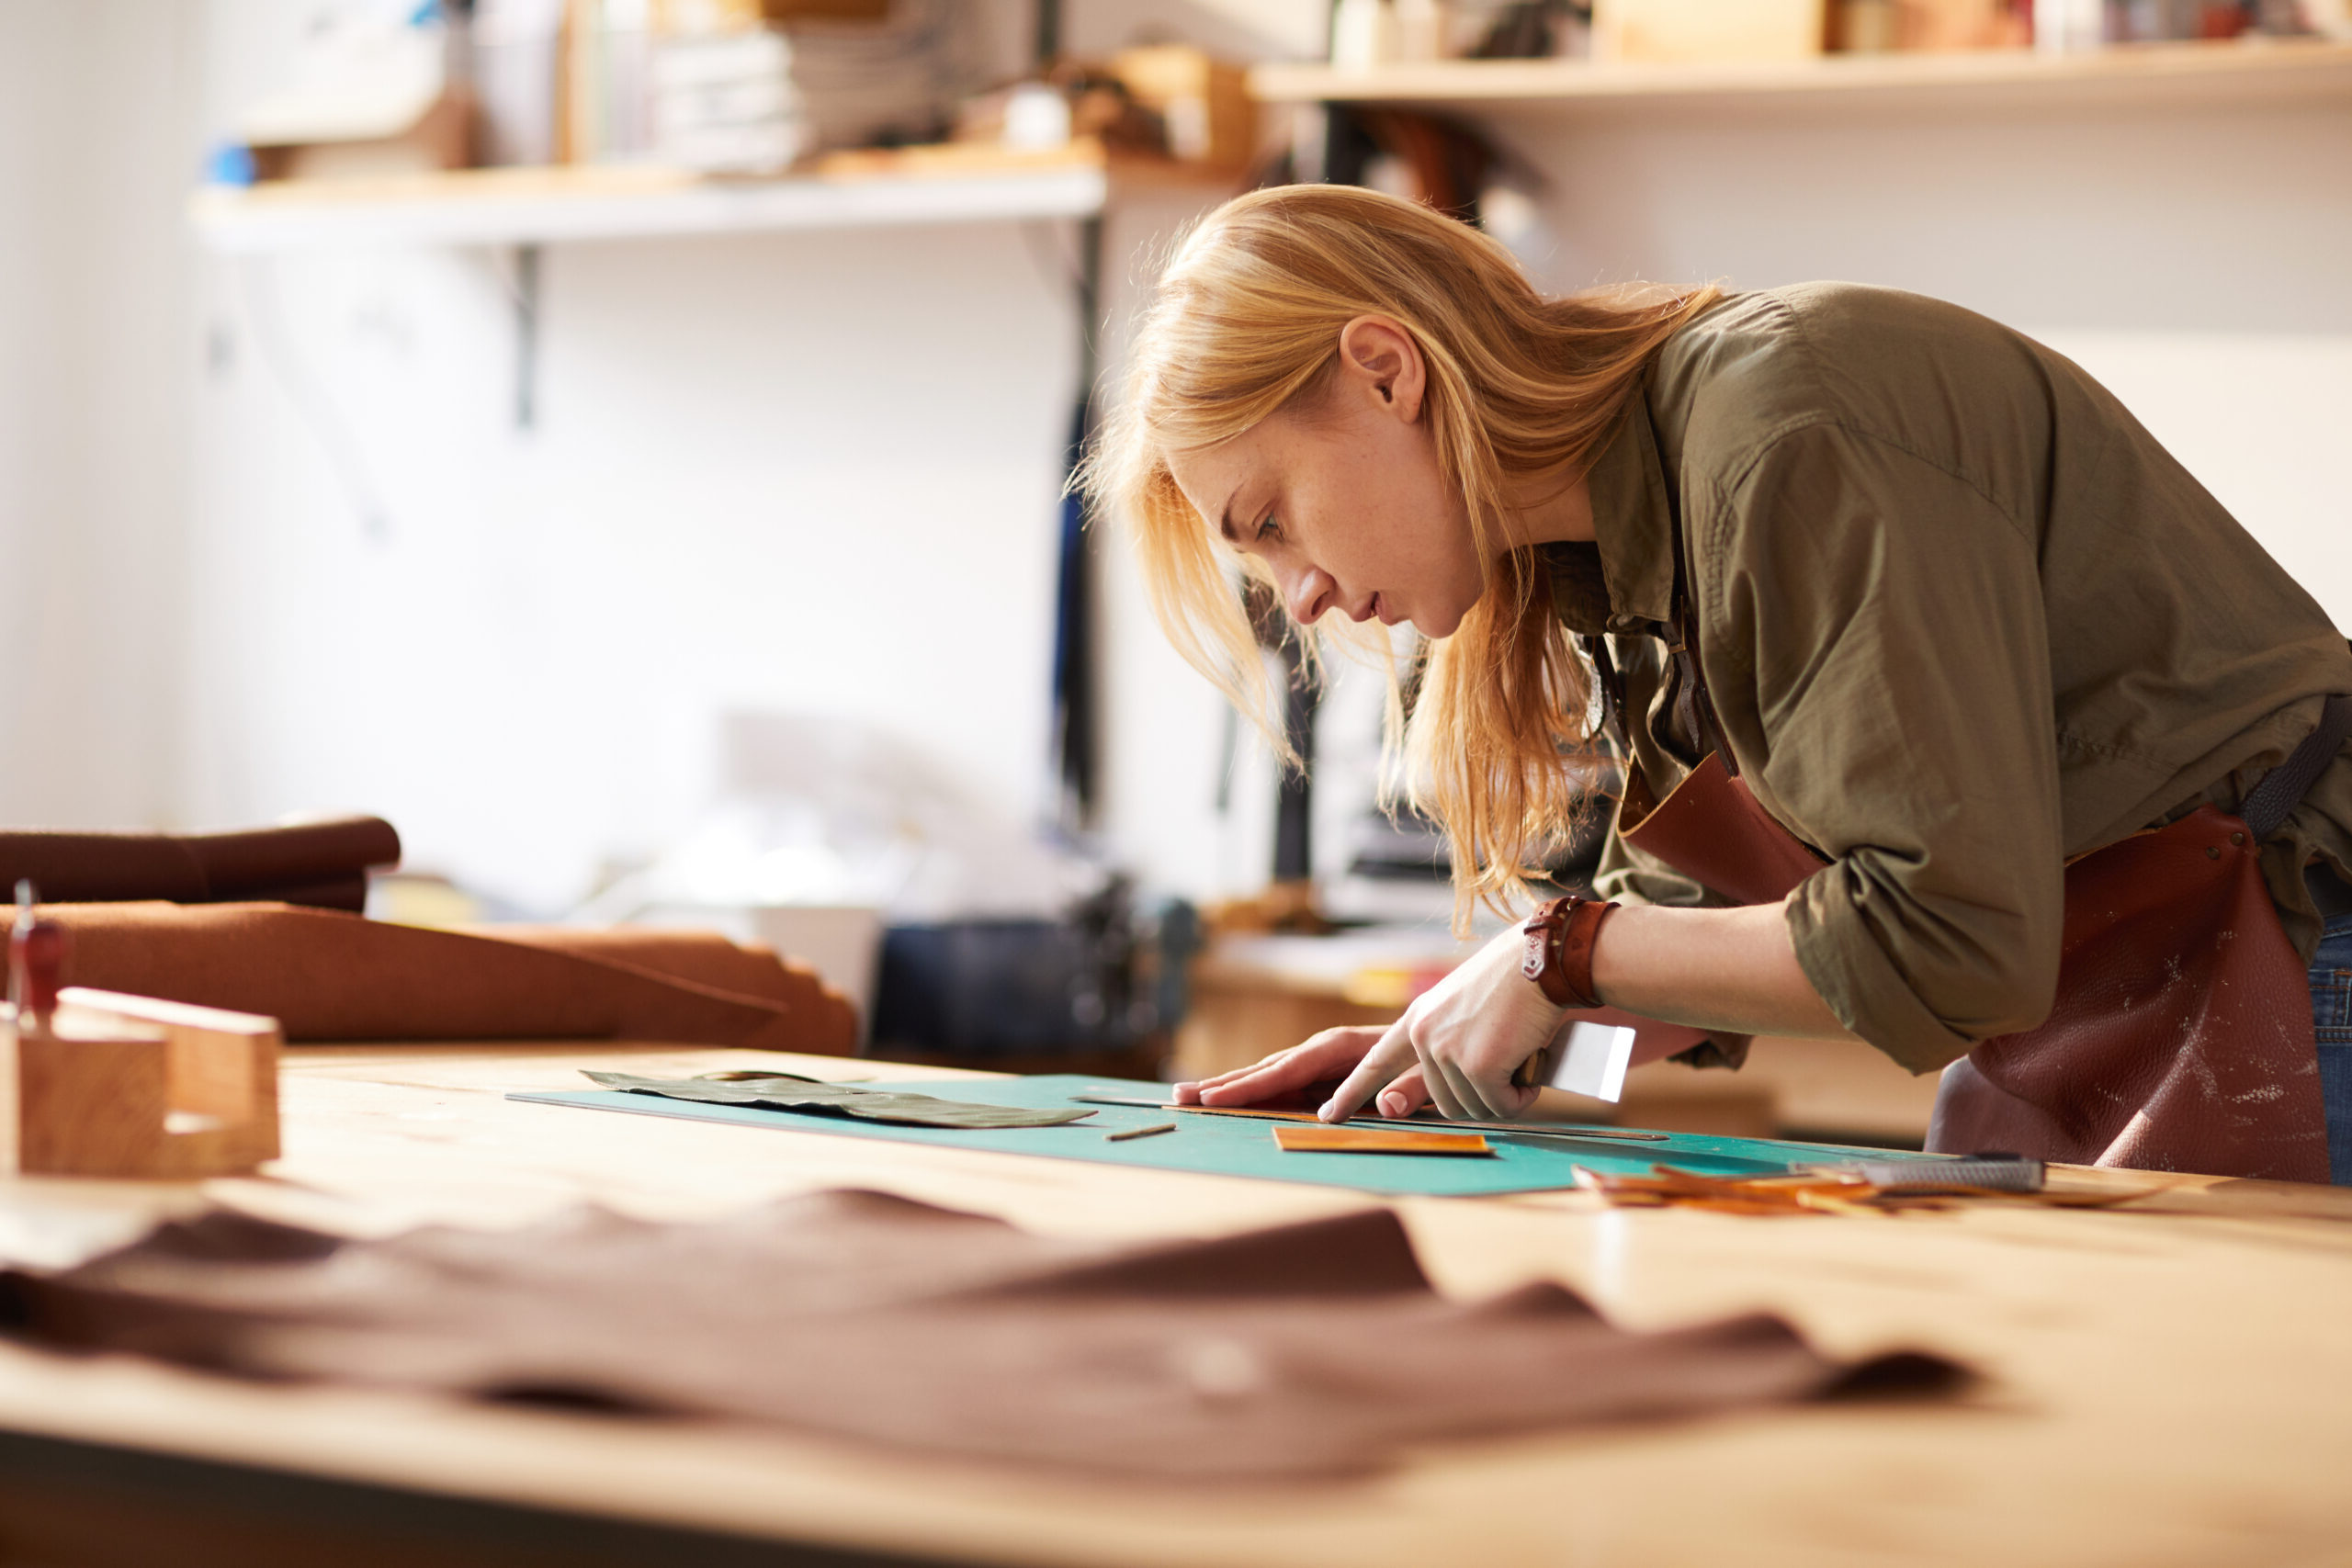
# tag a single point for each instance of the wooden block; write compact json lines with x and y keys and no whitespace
{"x":1346,"y":1140}
{"x":131,"y":1087}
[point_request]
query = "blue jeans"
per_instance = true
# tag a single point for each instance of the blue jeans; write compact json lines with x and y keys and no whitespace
{"x":2332,"y":1013}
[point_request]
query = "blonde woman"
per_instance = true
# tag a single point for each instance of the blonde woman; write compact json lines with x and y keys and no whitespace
{"x":1958,"y":720}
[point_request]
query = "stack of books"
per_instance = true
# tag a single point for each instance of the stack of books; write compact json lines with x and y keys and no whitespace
{"x":727,"y":103}
{"x":752,"y":100}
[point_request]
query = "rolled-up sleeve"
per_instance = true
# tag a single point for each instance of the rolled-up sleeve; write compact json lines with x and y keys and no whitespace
{"x":1872,"y":625}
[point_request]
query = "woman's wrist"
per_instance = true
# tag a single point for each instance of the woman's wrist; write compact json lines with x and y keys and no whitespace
{"x":1560,"y":939}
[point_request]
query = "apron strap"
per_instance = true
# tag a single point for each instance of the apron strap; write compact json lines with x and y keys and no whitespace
{"x":2266,"y":806}
{"x":1695,"y":711}
{"x":1612,"y":691}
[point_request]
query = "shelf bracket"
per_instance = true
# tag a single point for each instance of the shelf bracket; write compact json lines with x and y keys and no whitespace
{"x":527,"y":336}
{"x":1049,"y":33}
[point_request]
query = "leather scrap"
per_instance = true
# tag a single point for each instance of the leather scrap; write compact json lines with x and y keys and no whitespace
{"x":789,"y":1091}
{"x":1378,"y":1141}
{"x":1259,"y":1358}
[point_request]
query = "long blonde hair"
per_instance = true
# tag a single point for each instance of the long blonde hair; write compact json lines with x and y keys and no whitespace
{"x":1245,"y":322}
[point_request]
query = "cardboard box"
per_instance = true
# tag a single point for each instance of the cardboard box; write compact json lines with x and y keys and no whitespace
{"x":1669,"y":31}
{"x":727,"y":16}
{"x":1204,"y":102}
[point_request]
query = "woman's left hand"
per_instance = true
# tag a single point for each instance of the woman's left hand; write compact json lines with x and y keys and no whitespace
{"x":1469,"y":1033}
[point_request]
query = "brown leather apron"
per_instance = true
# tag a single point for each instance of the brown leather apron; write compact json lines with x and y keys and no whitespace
{"x":2181,"y":1038}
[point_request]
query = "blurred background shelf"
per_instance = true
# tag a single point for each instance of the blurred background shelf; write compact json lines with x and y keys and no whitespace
{"x":2265,"y":72}
{"x":529,"y":205}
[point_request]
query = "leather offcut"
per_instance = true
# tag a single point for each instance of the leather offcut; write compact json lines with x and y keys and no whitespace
{"x":1259,"y":1358}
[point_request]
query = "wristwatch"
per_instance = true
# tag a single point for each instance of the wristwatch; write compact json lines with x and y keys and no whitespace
{"x":1560,"y":938}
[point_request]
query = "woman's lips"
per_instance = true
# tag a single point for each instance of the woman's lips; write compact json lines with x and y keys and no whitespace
{"x":1383,"y":609}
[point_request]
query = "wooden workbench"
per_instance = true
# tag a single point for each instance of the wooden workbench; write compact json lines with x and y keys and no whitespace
{"x":2169,"y":1382}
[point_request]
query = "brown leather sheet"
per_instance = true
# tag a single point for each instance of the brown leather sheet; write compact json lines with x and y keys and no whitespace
{"x":325,"y":975}
{"x":323,"y":865}
{"x":1312,"y":1350}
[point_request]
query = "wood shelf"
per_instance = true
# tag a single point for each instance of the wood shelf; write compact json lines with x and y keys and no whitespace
{"x":512,"y":207}
{"x":2248,"y":71}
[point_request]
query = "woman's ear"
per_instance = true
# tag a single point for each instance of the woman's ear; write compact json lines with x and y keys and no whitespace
{"x":1381,"y":365}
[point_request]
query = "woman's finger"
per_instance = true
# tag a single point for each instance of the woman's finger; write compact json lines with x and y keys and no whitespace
{"x":1380,"y":1066}
{"x":1234,"y":1074}
{"x":1276,"y":1062}
{"x":1405,"y":1096}
{"x":1493,"y":1098}
{"x":1441,"y":1087}
{"x":1317,"y":1060}
{"x":1458,"y":1088}
{"x":1510,"y":1101}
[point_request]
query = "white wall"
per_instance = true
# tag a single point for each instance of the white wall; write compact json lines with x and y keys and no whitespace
{"x":95,"y":150}
{"x":812,"y":472}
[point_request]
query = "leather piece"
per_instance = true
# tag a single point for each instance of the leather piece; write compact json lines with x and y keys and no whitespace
{"x":327,"y":975}
{"x":702,"y":957}
{"x":2182,"y":1036}
{"x":1710,"y":826}
{"x":789,"y":1091}
{"x":1318,"y":1139}
{"x":323,"y":864}
{"x":1264,"y":1356}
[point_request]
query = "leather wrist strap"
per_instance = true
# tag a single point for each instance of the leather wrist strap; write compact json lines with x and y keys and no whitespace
{"x":1560,"y":939}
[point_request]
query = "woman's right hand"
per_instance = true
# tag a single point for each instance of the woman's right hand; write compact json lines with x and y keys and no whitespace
{"x":1323,"y":1059}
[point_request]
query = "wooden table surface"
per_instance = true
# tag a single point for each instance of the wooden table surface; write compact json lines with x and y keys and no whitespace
{"x":2166,"y":1381}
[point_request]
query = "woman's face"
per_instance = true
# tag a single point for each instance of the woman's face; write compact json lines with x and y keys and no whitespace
{"x":1346,"y":502}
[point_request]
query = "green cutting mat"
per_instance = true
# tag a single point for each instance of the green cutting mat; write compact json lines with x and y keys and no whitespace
{"x":1240,"y":1146}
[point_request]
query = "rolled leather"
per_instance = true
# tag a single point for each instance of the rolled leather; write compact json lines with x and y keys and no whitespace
{"x":328,"y":975}
{"x":320,"y":864}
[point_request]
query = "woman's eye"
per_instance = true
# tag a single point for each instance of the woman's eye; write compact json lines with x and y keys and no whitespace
{"x":1269,"y":529}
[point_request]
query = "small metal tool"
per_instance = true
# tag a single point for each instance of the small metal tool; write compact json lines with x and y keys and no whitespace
{"x":1996,"y":1172}
{"x":1124,"y":1133}
{"x":1524,"y":1129}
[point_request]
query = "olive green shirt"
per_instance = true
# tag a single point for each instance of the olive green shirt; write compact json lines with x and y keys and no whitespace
{"x":1961,"y":619}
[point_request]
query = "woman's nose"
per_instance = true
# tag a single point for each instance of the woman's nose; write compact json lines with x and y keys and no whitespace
{"x":1309,"y":595}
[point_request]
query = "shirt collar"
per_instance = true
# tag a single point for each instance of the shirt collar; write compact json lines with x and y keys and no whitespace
{"x":1624,"y":580}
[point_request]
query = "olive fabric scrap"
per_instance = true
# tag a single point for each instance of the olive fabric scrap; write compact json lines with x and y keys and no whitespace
{"x":788,"y":1091}
{"x":1258,"y":1358}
